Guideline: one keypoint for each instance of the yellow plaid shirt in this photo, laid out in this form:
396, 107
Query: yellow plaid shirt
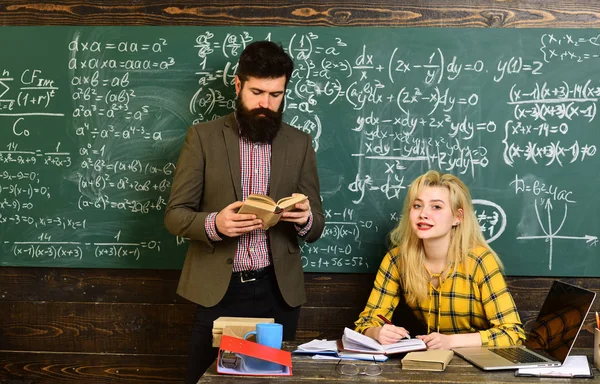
472, 300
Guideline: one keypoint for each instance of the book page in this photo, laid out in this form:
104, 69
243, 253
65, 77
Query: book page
353, 340
317, 345
253, 206
405, 345
262, 198
362, 356
288, 203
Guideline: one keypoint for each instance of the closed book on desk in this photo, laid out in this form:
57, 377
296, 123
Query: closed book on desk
432, 360
353, 341
222, 321
238, 327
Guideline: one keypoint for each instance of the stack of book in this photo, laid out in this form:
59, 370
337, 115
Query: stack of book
235, 326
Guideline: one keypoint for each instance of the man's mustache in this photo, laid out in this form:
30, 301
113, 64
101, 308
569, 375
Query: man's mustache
262, 111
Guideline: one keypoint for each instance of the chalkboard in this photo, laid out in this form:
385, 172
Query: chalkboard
92, 120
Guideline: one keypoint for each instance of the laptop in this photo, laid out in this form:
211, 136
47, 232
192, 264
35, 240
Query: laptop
550, 339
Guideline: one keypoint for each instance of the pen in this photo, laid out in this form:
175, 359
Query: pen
385, 320
597, 321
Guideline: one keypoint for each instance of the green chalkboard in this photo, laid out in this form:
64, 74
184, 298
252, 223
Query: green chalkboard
92, 120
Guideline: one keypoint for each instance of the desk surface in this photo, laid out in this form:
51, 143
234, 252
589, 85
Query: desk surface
307, 370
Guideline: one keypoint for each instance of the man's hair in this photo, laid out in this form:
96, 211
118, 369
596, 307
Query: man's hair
264, 59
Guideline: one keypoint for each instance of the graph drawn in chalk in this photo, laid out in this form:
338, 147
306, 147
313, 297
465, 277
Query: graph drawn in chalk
550, 235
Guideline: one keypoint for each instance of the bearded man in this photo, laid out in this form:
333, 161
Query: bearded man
233, 267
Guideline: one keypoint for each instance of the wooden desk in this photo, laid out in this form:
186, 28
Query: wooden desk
307, 370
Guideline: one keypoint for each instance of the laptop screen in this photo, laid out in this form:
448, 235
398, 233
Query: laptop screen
560, 319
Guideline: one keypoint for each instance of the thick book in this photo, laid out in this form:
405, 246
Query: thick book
223, 321
353, 341
269, 210
238, 326
431, 360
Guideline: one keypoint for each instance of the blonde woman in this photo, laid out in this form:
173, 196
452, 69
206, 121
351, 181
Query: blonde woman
441, 267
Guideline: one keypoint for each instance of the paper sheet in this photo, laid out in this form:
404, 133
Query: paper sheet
318, 346
573, 366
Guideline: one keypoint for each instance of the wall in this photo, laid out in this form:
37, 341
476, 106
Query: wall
128, 326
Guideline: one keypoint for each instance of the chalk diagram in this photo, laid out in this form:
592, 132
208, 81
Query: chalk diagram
550, 234
498, 217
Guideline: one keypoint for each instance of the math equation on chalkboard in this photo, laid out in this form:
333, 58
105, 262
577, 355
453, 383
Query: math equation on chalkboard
92, 120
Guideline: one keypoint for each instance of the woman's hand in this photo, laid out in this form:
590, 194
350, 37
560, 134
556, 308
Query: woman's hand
388, 334
437, 341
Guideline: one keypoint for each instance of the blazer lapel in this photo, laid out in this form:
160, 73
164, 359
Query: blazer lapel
277, 161
232, 142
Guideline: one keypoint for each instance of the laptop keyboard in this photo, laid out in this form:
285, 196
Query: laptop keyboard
518, 355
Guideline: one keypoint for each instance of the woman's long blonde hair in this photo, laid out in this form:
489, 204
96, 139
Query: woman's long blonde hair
410, 250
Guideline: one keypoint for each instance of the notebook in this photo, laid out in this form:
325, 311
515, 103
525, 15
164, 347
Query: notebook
353, 341
550, 339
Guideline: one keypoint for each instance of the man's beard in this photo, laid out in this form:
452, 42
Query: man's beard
256, 128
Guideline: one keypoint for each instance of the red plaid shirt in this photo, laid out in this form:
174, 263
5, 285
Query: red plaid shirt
253, 247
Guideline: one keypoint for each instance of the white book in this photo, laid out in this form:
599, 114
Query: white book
356, 342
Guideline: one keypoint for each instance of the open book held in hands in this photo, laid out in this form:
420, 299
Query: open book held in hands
356, 342
267, 209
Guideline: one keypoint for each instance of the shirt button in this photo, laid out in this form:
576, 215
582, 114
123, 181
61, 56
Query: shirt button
252, 249
256, 171
229, 261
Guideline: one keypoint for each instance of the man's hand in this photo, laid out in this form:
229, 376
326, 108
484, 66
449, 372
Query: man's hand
233, 224
299, 215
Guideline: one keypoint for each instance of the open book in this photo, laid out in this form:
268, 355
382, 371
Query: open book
328, 349
267, 209
356, 342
